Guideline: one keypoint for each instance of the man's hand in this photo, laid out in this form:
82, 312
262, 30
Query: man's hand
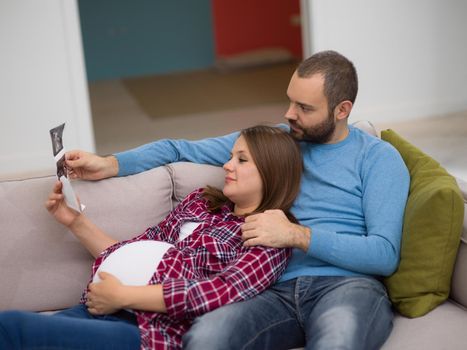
88, 166
104, 297
273, 229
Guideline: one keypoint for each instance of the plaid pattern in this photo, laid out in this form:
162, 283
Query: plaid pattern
208, 269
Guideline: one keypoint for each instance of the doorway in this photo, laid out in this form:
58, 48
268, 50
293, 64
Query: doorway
153, 44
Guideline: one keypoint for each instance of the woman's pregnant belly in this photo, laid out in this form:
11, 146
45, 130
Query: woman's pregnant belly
134, 264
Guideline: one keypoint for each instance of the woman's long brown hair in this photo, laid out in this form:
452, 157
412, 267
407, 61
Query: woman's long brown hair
278, 159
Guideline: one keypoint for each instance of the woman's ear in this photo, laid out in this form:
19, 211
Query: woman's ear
343, 109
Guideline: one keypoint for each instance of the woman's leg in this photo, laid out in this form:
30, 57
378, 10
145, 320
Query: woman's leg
74, 328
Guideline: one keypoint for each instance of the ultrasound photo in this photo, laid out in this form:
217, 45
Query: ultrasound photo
56, 135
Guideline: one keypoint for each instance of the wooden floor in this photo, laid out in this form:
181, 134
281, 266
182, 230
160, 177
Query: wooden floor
210, 90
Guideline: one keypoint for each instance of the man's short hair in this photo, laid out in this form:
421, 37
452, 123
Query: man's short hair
340, 76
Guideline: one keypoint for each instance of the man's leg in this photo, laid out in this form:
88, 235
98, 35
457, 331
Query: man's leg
268, 321
71, 329
347, 313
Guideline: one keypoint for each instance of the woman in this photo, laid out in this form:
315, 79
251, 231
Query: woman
203, 264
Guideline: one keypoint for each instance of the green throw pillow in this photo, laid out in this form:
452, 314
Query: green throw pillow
431, 234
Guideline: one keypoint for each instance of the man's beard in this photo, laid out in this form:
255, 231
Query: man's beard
320, 133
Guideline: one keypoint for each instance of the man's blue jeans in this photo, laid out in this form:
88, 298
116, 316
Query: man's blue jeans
73, 328
315, 312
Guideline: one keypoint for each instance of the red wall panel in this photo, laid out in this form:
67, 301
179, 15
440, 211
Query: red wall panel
242, 26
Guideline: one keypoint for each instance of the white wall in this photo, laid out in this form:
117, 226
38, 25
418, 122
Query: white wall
42, 83
411, 56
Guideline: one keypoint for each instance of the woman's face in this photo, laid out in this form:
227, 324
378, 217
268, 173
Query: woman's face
243, 185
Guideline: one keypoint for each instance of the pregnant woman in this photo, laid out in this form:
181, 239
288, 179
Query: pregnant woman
145, 291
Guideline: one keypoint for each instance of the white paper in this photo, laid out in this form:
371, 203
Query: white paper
70, 197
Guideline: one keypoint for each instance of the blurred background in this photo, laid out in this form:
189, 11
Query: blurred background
123, 73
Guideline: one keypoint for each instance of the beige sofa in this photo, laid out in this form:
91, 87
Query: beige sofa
43, 267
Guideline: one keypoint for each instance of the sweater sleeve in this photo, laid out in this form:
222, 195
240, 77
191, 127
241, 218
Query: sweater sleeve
213, 151
254, 271
385, 186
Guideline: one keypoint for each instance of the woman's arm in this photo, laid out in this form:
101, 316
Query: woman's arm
91, 237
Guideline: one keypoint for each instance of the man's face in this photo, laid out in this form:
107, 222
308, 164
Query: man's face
308, 114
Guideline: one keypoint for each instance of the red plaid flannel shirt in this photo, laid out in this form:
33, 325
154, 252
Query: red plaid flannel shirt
206, 270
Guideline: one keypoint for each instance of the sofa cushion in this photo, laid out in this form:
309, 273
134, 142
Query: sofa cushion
187, 177
459, 280
431, 234
442, 328
366, 126
45, 265
126, 206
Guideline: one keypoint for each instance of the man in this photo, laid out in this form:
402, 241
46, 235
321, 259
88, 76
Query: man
350, 208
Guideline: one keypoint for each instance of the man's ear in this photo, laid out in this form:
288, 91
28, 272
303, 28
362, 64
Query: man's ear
343, 109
